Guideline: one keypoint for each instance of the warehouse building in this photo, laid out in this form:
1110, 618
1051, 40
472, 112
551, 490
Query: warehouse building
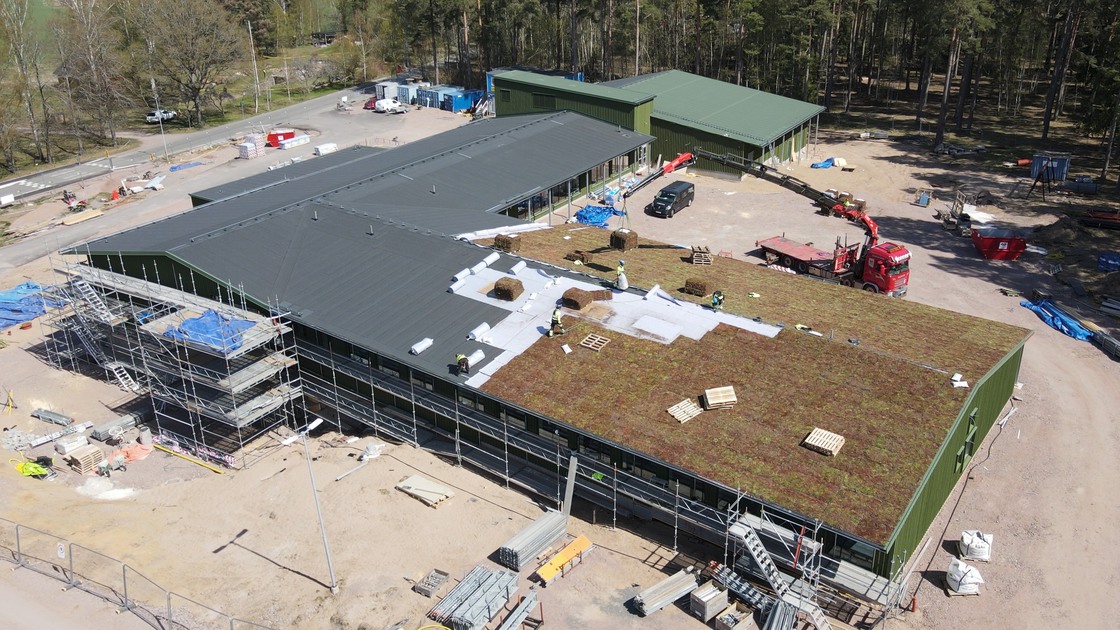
348, 291
681, 110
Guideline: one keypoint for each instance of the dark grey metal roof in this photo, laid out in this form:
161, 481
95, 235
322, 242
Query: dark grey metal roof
481, 166
345, 158
384, 291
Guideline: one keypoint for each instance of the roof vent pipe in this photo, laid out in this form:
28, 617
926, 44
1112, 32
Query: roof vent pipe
315, 215
370, 232
433, 189
478, 332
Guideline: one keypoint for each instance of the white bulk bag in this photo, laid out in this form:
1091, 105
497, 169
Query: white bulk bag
975, 545
963, 579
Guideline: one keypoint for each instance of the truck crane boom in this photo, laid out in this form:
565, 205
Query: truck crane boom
681, 161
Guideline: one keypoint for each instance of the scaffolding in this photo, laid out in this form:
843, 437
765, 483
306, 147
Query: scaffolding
215, 398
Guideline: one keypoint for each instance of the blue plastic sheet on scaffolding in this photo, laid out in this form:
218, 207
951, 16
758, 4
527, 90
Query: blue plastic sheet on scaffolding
1058, 319
211, 329
829, 163
597, 215
20, 304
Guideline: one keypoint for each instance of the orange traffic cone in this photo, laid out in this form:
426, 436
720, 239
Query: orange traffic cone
116, 196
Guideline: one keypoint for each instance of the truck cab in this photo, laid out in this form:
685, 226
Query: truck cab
886, 269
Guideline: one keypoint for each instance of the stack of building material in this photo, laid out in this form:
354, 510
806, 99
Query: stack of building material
531, 541
431, 584
782, 616
520, 613
85, 459
720, 398
666, 591
708, 600
117, 425
481, 595
565, 560
47, 415
295, 141
253, 147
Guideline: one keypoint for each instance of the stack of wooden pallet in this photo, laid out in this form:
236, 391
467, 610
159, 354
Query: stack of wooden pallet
825, 442
701, 255
685, 410
85, 459
720, 398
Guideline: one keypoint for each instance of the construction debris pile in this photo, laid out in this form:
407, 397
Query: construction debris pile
530, 542
667, 591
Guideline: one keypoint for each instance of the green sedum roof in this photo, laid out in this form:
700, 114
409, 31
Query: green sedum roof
596, 90
718, 107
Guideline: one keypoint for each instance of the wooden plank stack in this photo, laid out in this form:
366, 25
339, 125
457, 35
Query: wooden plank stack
825, 442
701, 255
720, 398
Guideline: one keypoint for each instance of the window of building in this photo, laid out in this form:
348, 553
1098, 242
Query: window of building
390, 367
504, 96
513, 418
544, 101
423, 380
466, 399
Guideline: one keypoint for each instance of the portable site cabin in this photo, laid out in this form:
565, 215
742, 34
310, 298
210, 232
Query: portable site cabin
387, 89
461, 100
433, 96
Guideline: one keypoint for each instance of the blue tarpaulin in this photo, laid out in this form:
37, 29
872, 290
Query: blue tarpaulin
22, 303
1058, 319
211, 329
597, 215
829, 163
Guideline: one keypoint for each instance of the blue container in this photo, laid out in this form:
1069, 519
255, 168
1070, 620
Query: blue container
1108, 261
433, 96
1053, 166
461, 100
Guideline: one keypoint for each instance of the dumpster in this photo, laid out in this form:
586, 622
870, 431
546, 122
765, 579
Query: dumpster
276, 136
460, 100
998, 244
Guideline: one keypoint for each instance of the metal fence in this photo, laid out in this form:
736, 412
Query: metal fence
109, 579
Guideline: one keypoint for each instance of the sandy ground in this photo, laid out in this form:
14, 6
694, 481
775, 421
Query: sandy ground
248, 542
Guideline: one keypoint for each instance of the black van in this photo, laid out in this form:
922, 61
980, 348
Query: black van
672, 199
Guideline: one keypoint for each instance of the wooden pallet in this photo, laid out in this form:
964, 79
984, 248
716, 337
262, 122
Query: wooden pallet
822, 441
685, 410
594, 342
720, 398
85, 460
701, 255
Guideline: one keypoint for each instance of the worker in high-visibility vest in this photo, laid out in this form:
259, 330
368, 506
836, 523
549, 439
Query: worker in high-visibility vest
464, 363
557, 326
620, 276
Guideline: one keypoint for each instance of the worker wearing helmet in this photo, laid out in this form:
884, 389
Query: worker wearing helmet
463, 363
557, 327
620, 276
717, 301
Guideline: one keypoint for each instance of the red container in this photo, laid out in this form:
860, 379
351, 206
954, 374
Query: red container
998, 244
1023, 162
276, 135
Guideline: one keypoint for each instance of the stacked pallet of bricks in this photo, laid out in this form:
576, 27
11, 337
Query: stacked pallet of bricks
665, 592
253, 147
531, 541
477, 599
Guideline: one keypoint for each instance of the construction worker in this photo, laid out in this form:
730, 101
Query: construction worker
620, 276
557, 327
464, 364
717, 301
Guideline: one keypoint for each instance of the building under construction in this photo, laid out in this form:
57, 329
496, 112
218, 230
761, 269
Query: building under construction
347, 293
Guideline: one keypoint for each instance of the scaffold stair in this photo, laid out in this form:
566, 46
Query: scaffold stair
123, 377
91, 297
762, 557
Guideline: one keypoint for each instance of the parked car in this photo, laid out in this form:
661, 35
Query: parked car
390, 106
157, 115
370, 104
672, 198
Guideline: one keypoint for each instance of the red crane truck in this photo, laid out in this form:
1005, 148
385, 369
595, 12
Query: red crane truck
871, 265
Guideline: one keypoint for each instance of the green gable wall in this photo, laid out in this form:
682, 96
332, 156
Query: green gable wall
985, 402
524, 98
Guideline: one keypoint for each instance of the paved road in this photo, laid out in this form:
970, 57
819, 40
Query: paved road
319, 117
152, 147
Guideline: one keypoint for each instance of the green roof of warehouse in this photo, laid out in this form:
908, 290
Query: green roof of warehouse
719, 107
597, 90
